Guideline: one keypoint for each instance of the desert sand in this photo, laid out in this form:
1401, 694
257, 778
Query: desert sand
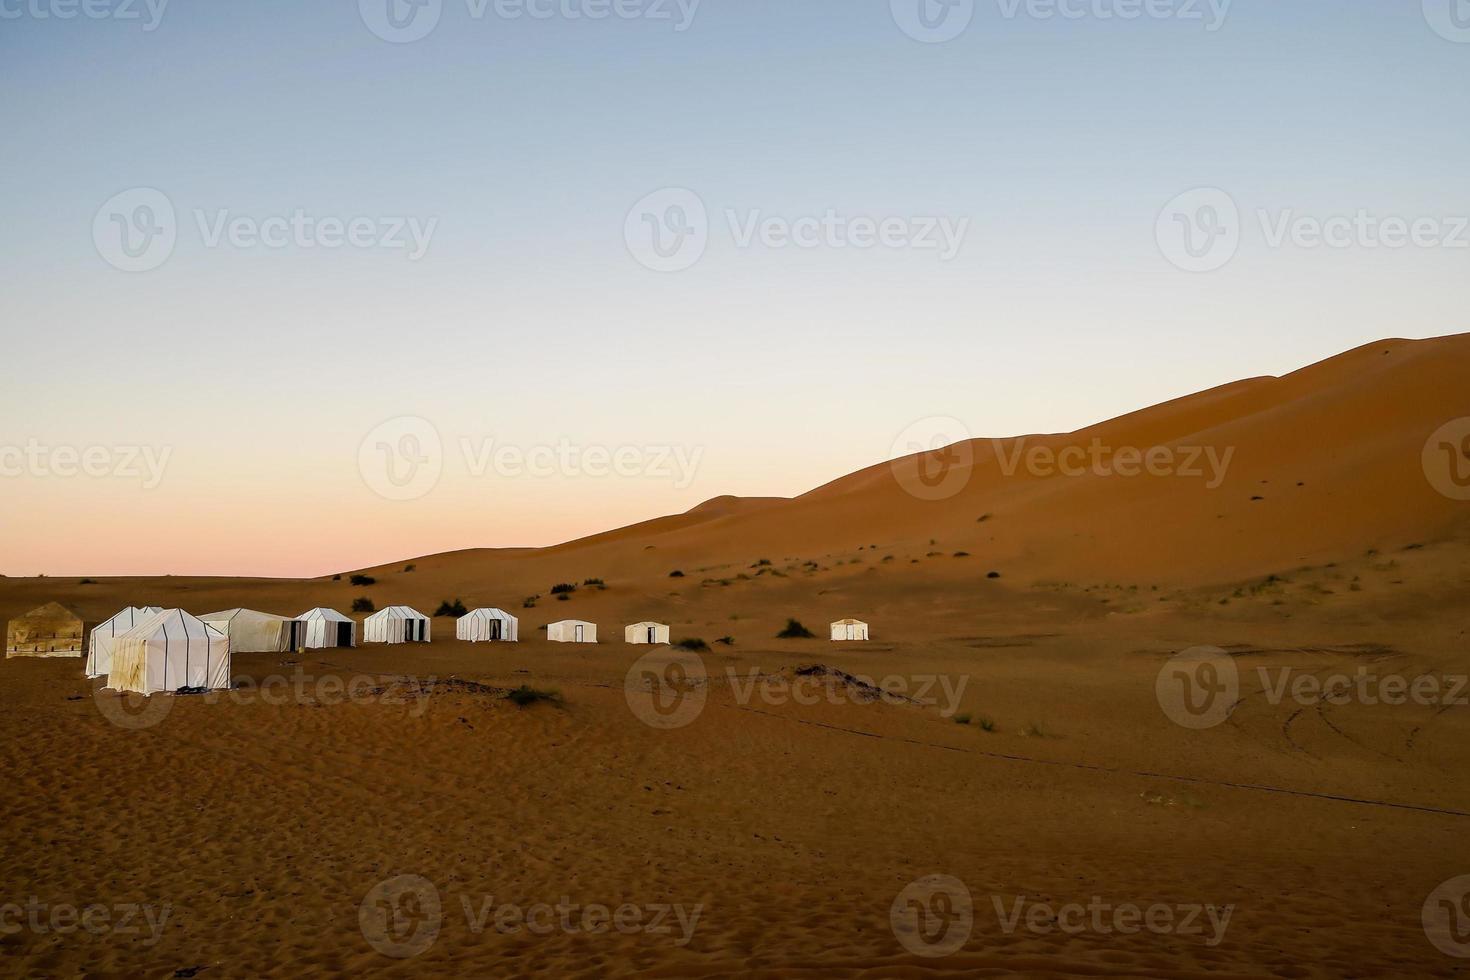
1025, 617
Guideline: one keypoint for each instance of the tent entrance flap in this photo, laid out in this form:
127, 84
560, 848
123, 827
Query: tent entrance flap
580, 633
495, 629
344, 634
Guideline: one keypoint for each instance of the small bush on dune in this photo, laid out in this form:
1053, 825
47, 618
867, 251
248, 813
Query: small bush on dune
455, 608
563, 588
88, 581
524, 696
676, 574
692, 643
961, 719
363, 604
986, 723
529, 602
794, 630
363, 580
409, 568
729, 641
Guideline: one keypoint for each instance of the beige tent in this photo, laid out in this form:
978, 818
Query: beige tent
104, 637
572, 631
327, 628
52, 630
170, 651
487, 626
396, 624
257, 632
646, 633
849, 629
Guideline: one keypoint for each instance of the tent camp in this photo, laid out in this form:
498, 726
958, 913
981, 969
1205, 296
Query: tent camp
572, 631
104, 637
396, 624
256, 632
327, 628
170, 651
646, 633
487, 626
849, 629
53, 630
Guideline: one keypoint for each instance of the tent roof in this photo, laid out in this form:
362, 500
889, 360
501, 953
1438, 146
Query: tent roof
155, 624
52, 609
228, 615
572, 622
398, 612
848, 622
648, 623
322, 612
487, 612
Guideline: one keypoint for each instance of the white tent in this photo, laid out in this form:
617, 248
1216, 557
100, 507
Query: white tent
572, 631
396, 624
487, 625
99, 651
256, 632
327, 628
849, 629
169, 651
646, 633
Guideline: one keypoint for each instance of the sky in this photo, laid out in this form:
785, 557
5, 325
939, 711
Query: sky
295, 288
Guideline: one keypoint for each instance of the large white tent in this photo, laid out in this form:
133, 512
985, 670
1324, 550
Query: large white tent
849, 629
396, 624
487, 626
327, 628
104, 637
572, 631
256, 632
646, 633
170, 651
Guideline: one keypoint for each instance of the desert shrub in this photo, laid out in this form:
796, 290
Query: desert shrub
982, 518
676, 574
88, 581
337, 578
562, 588
563, 597
763, 561
363, 604
363, 580
729, 641
794, 630
986, 723
992, 574
962, 554
447, 608
962, 719
594, 583
692, 643
523, 696
410, 568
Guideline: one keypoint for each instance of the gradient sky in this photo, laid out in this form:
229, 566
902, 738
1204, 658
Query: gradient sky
530, 322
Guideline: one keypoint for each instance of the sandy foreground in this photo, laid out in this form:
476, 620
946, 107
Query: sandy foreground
781, 822
1044, 791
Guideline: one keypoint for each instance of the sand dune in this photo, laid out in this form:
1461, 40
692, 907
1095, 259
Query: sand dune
266, 824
